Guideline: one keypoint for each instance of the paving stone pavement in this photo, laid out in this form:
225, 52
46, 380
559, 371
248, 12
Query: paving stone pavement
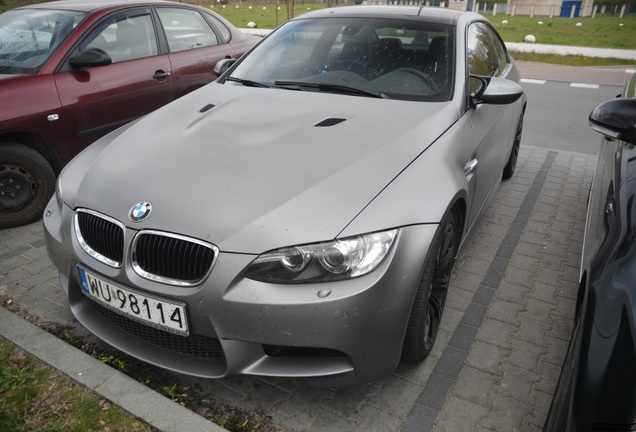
503, 337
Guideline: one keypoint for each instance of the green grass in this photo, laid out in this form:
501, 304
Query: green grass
264, 15
34, 396
601, 32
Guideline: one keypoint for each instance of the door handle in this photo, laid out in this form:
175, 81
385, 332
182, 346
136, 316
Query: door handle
161, 75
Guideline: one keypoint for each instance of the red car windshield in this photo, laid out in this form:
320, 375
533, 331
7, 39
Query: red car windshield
28, 37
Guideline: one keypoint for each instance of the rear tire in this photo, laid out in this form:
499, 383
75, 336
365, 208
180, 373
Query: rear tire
428, 307
27, 181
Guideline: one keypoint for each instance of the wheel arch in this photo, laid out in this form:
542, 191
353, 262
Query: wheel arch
36, 143
460, 206
414, 349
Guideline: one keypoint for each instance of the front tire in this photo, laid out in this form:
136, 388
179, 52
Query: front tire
510, 167
27, 181
428, 307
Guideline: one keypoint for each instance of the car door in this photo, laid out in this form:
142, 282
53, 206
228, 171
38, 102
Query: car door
196, 42
97, 100
492, 124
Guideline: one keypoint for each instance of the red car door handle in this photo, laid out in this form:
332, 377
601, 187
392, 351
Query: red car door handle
161, 75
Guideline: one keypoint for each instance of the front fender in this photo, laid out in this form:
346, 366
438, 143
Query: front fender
427, 188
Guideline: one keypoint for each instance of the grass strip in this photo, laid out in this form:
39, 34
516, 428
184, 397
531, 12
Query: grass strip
35, 396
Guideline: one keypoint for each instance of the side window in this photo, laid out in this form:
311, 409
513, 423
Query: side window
500, 52
125, 38
186, 29
485, 55
220, 28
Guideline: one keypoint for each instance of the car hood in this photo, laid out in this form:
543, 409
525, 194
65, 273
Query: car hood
252, 169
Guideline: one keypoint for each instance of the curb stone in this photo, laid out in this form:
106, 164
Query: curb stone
150, 406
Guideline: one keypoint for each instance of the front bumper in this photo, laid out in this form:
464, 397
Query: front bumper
240, 326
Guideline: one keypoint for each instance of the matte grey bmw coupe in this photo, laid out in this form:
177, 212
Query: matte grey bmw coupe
300, 216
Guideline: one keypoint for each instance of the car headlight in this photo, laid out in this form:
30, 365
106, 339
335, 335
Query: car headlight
323, 262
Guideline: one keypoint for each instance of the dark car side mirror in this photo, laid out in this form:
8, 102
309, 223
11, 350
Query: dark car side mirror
90, 57
222, 65
496, 91
615, 118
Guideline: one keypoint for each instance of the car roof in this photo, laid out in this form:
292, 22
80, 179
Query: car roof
93, 5
430, 14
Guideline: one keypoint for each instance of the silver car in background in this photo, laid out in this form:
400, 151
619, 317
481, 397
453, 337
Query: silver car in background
300, 216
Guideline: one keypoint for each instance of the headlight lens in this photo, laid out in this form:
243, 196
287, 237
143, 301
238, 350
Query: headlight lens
323, 262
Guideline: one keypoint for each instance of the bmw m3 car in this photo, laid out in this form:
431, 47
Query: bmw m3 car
300, 216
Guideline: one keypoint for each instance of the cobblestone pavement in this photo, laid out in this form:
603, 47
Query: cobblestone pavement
503, 337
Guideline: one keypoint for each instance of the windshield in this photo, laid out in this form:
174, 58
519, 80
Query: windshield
28, 37
389, 58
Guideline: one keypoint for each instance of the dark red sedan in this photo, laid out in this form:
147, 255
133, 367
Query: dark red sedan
72, 71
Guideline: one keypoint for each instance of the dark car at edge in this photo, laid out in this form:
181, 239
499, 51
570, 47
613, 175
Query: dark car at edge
597, 386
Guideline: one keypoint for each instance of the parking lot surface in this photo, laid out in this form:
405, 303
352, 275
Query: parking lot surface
504, 334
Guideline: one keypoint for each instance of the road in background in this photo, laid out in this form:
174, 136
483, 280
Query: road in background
560, 99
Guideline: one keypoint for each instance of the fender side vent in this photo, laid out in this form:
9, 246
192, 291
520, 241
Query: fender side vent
330, 122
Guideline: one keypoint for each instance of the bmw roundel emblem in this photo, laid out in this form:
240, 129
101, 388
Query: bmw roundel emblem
140, 211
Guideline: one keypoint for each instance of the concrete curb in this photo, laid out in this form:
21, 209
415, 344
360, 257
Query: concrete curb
137, 399
572, 50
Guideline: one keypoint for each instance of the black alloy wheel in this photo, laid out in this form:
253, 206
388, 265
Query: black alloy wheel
428, 307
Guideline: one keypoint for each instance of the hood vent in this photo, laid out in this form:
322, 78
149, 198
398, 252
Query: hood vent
330, 122
207, 108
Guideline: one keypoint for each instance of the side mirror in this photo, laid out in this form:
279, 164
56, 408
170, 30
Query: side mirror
222, 65
91, 57
615, 118
496, 91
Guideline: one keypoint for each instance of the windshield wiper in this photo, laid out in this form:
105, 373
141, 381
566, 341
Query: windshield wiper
335, 88
247, 83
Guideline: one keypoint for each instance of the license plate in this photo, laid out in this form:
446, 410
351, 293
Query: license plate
158, 313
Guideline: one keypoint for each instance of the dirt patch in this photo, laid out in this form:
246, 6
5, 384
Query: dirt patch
231, 418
